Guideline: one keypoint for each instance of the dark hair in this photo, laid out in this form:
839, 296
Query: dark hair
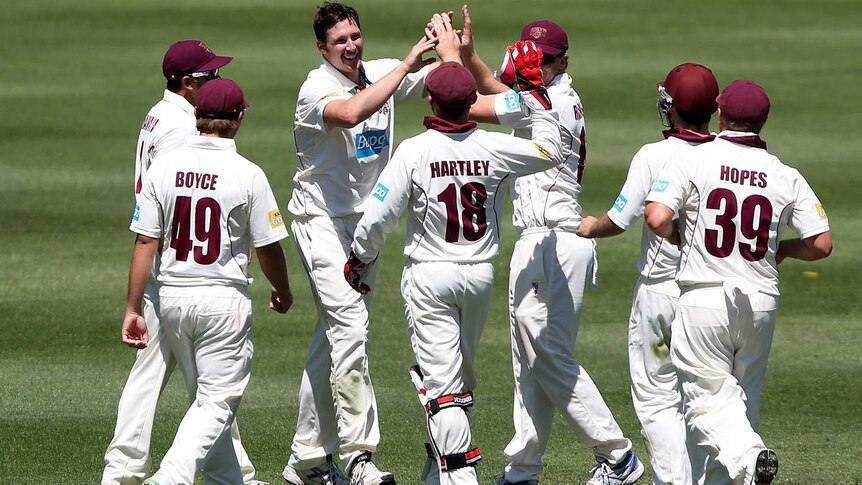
452, 114
693, 119
174, 84
222, 128
743, 126
329, 14
549, 59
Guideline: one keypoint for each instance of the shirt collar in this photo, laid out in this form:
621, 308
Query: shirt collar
688, 135
746, 138
446, 126
211, 142
347, 83
176, 99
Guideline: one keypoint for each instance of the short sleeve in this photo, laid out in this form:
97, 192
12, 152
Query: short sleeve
629, 204
671, 185
147, 217
808, 217
412, 86
509, 111
265, 219
314, 96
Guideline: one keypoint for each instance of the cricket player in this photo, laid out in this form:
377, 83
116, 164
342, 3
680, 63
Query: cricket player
344, 133
187, 66
734, 200
550, 268
451, 179
686, 103
204, 207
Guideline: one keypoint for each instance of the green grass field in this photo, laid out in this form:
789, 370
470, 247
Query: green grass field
78, 77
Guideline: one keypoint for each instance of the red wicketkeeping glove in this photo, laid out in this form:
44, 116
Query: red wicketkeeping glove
522, 71
355, 272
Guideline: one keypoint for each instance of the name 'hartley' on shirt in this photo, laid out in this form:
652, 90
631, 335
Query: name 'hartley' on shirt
452, 168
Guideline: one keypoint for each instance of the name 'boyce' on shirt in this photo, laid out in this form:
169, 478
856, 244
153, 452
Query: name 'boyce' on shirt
196, 180
453, 168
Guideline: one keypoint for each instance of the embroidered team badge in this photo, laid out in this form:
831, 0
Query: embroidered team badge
538, 32
275, 219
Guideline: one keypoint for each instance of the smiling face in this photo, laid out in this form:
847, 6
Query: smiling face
343, 48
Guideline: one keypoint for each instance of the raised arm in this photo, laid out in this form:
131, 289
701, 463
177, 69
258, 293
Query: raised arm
485, 80
347, 113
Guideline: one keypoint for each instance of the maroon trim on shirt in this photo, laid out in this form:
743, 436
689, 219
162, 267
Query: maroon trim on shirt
446, 126
751, 140
688, 135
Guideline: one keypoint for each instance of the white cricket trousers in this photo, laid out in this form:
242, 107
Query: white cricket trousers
720, 347
337, 406
127, 459
655, 387
446, 305
548, 274
210, 334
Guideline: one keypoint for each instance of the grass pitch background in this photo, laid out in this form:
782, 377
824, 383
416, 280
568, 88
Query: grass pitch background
78, 77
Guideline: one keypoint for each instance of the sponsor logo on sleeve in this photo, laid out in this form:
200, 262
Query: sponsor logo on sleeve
369, 143
620, 203
380, 192
275, 219
820, 211
660, 185
513, 101
137, 214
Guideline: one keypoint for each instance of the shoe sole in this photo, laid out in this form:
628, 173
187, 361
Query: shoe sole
766, 467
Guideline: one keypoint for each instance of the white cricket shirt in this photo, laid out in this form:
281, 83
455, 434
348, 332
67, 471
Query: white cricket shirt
735, 200
658, 259
338, 167
451, 181
165, 128
209, 206
550, 198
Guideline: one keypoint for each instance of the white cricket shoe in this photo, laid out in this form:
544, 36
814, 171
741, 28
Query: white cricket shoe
625, 473
325, 474
363, 471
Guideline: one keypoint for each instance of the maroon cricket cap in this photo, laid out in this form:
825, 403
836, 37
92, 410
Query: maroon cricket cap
220, 99
693, 88
547, 35
451, 85
744, 101
188, 56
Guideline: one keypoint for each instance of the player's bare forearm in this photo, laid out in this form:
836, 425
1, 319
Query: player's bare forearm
348, 113
143, 255
659, 218
274, 267
485, 80
808, 249
483, 110
592, 228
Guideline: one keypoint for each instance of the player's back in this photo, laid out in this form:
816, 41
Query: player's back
458, 192
164, 128
741, 199
208, 194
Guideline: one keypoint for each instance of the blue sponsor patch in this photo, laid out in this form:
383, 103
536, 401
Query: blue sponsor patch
380, 192
620, 203
370, 143
137, 214
513, 101
660, 185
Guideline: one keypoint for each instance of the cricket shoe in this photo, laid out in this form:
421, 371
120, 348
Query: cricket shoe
624, 473
766, 467
325, 474
363, 471
501, 480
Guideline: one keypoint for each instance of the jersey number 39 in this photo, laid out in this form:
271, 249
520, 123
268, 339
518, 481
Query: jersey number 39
755, 218
207, 229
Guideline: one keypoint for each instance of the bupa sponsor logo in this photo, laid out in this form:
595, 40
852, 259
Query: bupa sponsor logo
660, 185
370, 143
380, 192
513, 101
620, 203
137, 214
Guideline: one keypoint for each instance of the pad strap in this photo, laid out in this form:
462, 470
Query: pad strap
464, 400
455, 461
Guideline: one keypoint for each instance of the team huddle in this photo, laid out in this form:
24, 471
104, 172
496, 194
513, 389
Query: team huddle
715, 206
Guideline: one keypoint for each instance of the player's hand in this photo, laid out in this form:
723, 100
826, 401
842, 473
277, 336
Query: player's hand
279, 302
355, 272
522, 71
134, 331
468, 49
414, 61
586, 227
448, 44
